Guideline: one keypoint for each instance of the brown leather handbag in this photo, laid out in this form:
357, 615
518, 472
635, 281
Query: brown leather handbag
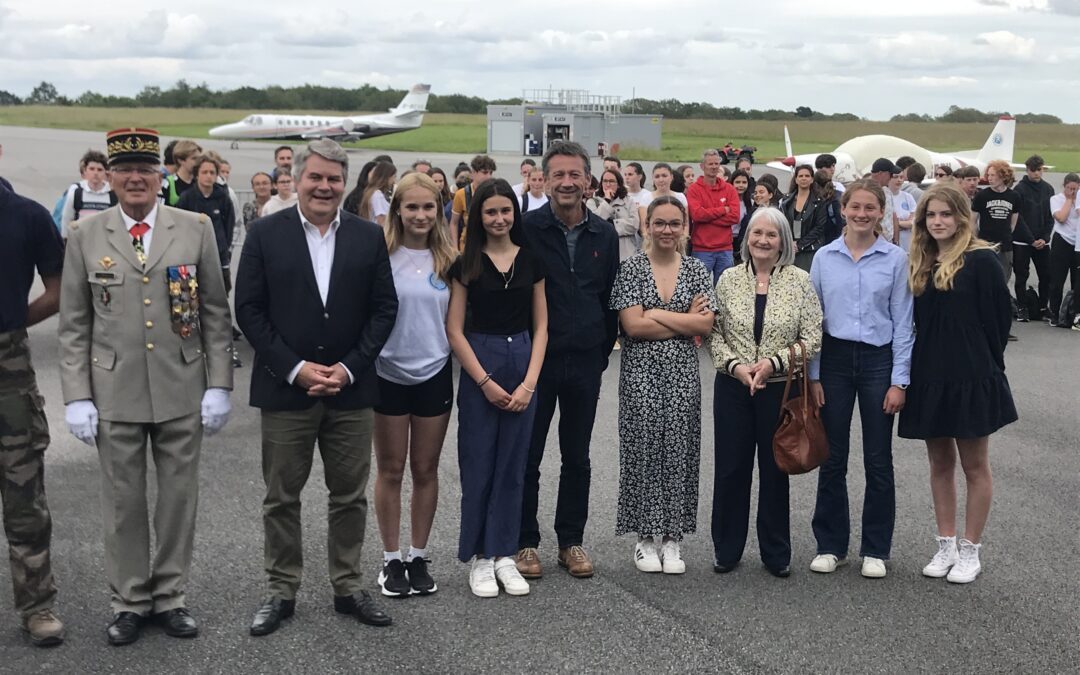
799, 445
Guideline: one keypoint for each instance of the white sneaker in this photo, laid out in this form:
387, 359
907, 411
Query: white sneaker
672, 558
943, 560
826, 563
967, 567
645, 557
873, 568
482, 578
512, 581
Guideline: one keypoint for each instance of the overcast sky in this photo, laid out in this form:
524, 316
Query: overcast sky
871, 58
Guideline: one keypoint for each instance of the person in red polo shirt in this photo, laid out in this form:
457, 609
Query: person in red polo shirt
714, 208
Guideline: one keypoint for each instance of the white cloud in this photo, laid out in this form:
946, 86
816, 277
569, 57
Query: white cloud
951, 82
1008, 43
841, 55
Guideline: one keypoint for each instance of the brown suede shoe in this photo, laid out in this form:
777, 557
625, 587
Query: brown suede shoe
576, 561
44, 628
527, 562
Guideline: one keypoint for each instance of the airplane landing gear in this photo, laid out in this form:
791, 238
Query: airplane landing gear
235, 145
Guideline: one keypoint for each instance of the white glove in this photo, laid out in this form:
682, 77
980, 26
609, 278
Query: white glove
82, 420
215, 410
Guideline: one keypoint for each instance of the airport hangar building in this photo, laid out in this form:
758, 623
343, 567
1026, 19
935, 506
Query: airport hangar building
548, 115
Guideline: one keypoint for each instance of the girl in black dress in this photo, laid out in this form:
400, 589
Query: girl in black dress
959, 394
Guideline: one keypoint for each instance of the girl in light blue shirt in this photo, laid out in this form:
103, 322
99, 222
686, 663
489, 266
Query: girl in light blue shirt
861, 279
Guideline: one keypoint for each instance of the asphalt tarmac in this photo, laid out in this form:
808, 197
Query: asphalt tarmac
1021, 615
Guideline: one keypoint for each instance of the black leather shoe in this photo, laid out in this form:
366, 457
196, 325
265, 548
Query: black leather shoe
125, 628
723, 568
178, 623
363, 607
270, 614
780, 572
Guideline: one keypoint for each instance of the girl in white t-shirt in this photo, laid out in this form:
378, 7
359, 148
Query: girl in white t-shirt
534, 197
903, 207
416, 388
662, 175
634, 179
375, 203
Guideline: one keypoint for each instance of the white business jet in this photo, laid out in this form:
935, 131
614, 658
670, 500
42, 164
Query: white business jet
409, 114
855, 157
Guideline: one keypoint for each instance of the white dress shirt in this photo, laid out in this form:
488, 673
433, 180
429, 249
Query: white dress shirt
321, 249
150, 219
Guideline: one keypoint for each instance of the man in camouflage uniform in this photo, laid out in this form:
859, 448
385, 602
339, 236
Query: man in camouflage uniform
28, 239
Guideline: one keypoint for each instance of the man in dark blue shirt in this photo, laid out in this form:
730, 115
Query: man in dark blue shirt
580, 252
28, 239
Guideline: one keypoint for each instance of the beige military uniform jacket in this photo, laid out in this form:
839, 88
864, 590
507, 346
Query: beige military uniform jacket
144, 342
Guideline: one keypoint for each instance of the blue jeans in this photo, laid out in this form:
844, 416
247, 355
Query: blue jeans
716, 261
850, 369
493, 446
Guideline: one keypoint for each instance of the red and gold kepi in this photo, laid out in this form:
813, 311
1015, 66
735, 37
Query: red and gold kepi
133, 144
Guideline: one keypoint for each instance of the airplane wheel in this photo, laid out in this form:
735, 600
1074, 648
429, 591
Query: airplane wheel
235, 145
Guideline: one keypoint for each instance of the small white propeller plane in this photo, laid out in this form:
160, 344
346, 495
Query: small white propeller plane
409, 114
855, 157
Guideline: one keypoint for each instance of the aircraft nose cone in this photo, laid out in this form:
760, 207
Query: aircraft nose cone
223, 130
787, 161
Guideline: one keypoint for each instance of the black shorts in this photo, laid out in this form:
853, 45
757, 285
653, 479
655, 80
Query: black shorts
427, 399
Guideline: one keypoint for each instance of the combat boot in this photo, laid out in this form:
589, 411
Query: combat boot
44, 628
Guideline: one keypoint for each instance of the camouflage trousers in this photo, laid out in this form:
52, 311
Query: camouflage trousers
24, 435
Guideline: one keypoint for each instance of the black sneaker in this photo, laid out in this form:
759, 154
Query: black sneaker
419, 579
392, 580
1022, 315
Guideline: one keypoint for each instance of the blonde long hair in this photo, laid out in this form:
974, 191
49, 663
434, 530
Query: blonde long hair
925, 253
438, 239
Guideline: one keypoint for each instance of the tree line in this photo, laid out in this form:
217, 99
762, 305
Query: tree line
957, 114
367, 97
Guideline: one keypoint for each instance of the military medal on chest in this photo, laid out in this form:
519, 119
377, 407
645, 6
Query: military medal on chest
183, 299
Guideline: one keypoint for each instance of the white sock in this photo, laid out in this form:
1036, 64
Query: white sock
387, 556
416, 553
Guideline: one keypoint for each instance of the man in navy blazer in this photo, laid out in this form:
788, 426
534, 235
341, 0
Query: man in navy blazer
315, 297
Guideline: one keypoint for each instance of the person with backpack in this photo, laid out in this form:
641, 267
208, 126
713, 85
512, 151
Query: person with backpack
1064, 257
533, 197
176, 184
90, 195
481, 168
1035, 212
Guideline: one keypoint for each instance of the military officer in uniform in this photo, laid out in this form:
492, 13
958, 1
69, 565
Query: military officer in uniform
146, 355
